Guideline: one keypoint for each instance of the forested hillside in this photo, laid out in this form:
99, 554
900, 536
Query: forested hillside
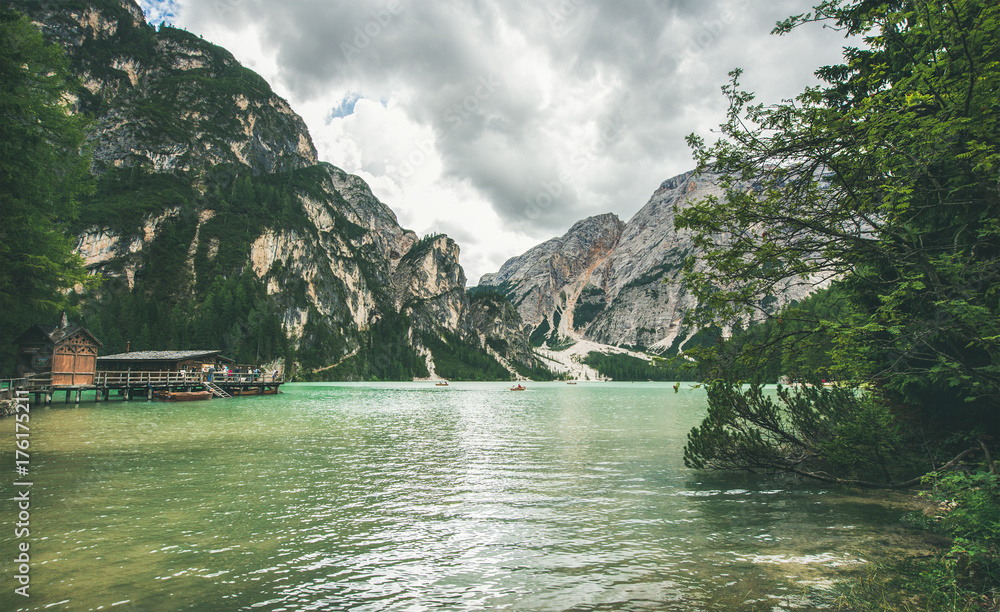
204, 218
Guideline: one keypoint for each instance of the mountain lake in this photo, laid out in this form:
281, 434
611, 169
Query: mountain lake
410, 496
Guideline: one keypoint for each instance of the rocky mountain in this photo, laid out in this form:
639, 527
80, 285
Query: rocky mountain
550, 276
216, 226
615, 283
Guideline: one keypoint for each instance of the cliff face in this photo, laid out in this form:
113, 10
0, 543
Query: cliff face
641, 278
168, 98
212, 211
624, 288
548, 278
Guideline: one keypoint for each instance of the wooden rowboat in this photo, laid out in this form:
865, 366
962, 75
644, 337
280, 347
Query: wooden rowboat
253, 391
184, 396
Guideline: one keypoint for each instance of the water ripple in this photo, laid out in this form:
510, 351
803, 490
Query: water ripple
400, 497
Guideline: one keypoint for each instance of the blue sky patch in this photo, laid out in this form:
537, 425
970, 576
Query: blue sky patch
159, 11
346, 107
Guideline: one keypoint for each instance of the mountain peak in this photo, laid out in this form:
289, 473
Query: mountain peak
211, 210
549, 277
630, 295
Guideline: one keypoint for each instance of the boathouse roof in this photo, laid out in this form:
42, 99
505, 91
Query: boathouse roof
51, 333
163, 356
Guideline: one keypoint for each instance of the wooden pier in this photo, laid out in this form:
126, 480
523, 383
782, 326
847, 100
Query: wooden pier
137, 384
63, 358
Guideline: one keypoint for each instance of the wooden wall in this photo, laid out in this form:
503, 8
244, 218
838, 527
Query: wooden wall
74, 361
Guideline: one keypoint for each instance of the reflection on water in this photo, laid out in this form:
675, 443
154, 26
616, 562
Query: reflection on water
411, 497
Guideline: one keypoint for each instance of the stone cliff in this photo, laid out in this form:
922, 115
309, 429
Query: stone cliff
613, 283
548, 279
215, 223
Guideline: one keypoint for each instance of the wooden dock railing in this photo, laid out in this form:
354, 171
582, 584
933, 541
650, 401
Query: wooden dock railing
109, 378
115, 379
247, 378
9, 385
30, 384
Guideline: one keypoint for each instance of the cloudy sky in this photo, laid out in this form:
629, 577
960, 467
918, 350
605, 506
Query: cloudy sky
503, 122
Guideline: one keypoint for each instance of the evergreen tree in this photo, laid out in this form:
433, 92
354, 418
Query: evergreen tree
43, 173
884, 180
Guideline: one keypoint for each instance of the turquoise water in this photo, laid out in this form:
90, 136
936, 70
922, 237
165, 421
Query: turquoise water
414, 497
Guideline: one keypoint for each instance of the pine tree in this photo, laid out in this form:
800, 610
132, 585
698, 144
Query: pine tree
43, 173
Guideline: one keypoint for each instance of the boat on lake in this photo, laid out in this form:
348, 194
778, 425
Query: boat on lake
254, 391
518, 388
183, 396
443, 383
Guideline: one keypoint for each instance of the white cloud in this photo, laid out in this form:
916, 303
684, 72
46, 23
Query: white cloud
159, 11
502, 123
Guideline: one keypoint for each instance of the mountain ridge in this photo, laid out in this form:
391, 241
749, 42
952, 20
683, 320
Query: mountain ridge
214, 222
633, 297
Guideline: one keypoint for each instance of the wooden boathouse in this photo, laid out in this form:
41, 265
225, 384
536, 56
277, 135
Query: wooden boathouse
64, 358
65, 354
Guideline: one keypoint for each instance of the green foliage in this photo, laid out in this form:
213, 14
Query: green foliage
492, 304
420, 247
658, 273
458, 360
96, 55
43, 174
539, 334
885, 179
971, 516
585, 312
591, 302
243, 206
505, 288
709, 337
498, 344
208, 302
126, 196
383, 353
560, 343
885, 176
318, 346
178, 102
217, 306
964, 576
618, 366
831, 434
549, 336
235, 316
796, 344
537, 371
485, 294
